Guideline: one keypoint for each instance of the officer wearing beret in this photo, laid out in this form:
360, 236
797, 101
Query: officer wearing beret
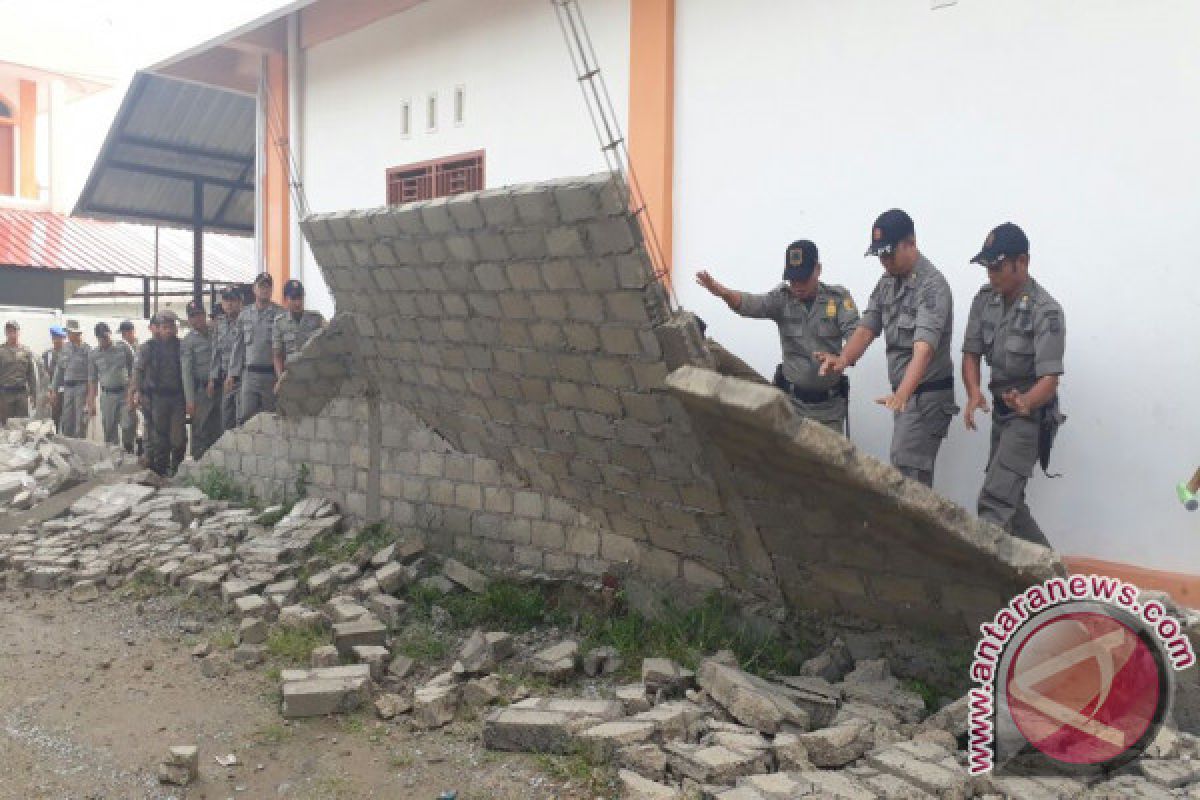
293, 328
71, 376
224, 387
50, 404
110, 368
814, 319
18, 374
252, 357
195, 356
1019, 329
914, 310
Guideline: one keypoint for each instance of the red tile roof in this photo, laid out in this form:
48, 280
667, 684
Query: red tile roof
46, 240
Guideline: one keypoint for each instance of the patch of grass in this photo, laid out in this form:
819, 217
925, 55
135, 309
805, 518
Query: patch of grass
224, 639
400, 760
504, 605
273, 674
335, 547
294, 645
928, 693
272, 734
220, 484
688, 635
421, 643
575, 769
352, 723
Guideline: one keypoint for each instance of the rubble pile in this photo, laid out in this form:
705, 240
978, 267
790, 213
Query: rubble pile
35, 462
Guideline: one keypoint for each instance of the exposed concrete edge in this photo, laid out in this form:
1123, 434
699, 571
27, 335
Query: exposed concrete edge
318, 371
766, 409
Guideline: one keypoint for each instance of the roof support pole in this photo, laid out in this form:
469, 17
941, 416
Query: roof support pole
145, 298
197, 241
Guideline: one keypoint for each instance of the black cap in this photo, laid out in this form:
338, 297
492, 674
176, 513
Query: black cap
293, 288
102, 329
194, 308
1005, 241
231, 293
126, 325
264, 279
891, 228
800, 260
217, 311
155, 319
13, 324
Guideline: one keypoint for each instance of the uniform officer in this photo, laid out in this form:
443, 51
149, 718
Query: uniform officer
51, 405
195, 354
18, 375
130, 417
71, 376
293, 328
252, 357
814, 319
162, 371
110, 368
913, 308
1019, 329
223, 386
141, 392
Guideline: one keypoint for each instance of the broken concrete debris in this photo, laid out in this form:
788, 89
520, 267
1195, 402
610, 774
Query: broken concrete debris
181, 766
36, 463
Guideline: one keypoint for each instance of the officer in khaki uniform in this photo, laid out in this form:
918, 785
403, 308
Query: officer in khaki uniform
18, 375
814, 320
161, 370
1019, 329
293, 328
914, 310
223, 386
71, 376
195, 355
110, 368
252, 357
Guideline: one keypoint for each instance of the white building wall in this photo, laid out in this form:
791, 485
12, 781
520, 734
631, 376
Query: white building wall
523, 104
1077, 119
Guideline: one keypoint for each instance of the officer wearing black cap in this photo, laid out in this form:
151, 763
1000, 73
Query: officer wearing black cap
913, 308
195, 357
293, 328
814, 319
110, 368
18, 374
252, 357
159, 374
1019, 329
223, 386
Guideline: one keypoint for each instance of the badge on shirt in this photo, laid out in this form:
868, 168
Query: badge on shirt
848, 303
831, 308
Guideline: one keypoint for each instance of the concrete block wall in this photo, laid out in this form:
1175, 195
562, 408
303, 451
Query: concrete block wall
506, 373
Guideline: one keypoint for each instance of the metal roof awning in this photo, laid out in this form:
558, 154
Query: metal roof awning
178, 154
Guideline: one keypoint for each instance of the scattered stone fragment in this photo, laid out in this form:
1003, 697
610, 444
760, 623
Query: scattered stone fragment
677, 720
364, 631
556, 663
202, 649
635, 787
331, 690
716, 763
84, 592
374, 656
832, 663
325, 656
749, 699
633, 697
647, 760
525, 730
435, 706
662, 674
872, 682
249, 655
479, 692
388, 706
836, 746
214, 667
601, 661
181, 766
464, 576
601, 742
253, 630
401, 665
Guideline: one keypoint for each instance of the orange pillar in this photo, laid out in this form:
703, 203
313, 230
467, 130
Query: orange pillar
27, 125
652, 114
276, 196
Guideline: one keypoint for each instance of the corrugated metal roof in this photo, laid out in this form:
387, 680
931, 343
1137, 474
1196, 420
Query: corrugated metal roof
45, 240
167, 135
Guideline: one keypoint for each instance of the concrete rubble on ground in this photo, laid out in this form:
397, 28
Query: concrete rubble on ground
36, 463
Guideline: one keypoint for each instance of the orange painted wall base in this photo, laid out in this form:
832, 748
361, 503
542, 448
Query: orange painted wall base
1183, 588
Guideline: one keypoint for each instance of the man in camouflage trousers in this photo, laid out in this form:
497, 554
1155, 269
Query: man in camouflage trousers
18, 375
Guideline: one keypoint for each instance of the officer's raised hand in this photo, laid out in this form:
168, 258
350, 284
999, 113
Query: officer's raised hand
708, 282
975, 402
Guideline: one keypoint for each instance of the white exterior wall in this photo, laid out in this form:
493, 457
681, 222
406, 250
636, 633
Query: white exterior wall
1077, 119
523, 104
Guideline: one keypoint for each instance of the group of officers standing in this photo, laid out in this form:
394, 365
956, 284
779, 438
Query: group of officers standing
219, 375
1014, 325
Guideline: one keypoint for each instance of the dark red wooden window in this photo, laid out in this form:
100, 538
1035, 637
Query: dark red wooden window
437, 178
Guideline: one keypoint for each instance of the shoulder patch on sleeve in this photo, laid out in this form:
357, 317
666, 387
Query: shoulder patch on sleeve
930, 297
1053, 321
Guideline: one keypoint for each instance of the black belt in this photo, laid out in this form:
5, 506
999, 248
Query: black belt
113, 389
260, 370
842, 389
932, 386
73, 384
13, 389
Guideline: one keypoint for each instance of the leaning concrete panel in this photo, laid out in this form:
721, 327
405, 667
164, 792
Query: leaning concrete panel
524, 325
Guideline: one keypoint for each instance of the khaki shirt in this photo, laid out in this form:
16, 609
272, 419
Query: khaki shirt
72, 364
110, 367
1020, 342
222, 349
291, 333
915, 308
195, 358
17, 368
821, 325
252, 343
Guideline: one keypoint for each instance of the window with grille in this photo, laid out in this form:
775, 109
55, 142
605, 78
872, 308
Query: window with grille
439, 178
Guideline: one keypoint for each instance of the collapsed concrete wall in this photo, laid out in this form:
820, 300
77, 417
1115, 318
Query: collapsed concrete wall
523, 329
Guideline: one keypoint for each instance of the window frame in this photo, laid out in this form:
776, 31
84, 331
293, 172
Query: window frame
435, 175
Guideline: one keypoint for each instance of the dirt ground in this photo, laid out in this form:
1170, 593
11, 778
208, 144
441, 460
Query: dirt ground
91, 697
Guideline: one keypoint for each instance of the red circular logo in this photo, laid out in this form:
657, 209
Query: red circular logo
1084, 688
